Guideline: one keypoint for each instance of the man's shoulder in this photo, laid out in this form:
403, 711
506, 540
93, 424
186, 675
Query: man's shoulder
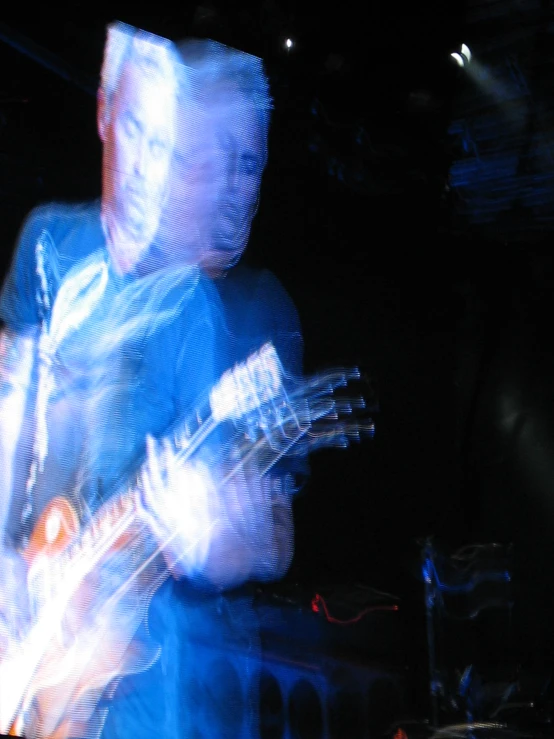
258, 308
270, 297
251, 284
52, 239
64, 216
69, 231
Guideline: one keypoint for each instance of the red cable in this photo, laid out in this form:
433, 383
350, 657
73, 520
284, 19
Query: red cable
318, 599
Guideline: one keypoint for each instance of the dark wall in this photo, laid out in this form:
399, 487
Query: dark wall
509, 468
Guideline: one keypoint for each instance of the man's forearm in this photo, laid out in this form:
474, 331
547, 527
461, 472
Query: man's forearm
274, 558
232, 561
16, 364
236, 531
235, 556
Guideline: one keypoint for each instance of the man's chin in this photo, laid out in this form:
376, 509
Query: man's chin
229, 242
226, 238
219, 260
141, 229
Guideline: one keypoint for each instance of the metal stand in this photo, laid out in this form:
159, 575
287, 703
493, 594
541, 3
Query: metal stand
468, 602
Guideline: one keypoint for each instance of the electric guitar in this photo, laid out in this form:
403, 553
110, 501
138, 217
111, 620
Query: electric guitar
91, 585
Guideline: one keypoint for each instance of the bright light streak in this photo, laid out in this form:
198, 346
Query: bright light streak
466, 52
458, 58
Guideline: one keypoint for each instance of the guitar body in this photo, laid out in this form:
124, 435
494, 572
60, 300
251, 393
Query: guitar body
93, 646
57, 526
55, 529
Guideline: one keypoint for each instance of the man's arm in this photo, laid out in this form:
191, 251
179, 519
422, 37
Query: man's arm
220, 534
19, 312
16, 362
279, 550
16, 365
256, 547
252, 537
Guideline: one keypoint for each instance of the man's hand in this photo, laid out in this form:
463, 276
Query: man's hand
14, 598
255, 539
227, 526
181, 502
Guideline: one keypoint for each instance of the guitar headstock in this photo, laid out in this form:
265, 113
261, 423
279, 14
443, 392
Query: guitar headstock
337, 416
277, 415
248, 386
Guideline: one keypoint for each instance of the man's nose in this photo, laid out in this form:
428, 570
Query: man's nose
232, 171
141, 158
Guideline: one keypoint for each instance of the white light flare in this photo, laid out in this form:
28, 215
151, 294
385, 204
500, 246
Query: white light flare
458, 58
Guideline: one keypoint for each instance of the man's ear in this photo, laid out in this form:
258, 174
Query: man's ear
101, 114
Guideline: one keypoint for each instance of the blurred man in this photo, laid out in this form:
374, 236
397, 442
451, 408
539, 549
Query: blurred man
105, 346
220, 154
218, 162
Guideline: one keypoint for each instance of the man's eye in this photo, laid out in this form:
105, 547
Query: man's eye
130, 127
250, 165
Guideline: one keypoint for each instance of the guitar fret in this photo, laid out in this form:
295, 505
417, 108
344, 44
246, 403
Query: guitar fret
100, 529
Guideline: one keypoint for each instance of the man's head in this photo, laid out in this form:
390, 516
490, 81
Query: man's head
219, 158
136, 117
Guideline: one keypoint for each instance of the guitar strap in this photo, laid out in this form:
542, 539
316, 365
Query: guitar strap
59, 317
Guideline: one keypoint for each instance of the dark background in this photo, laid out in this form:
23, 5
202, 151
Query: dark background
407, 208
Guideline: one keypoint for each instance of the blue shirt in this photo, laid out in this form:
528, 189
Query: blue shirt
127, 356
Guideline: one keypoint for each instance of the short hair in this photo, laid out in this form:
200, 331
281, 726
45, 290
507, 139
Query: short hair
209, 64
154, 55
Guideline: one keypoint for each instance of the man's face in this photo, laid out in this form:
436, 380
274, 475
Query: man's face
137, 133
187, 218
240, 163
215, 181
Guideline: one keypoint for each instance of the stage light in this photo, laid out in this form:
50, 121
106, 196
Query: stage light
458, 58
463, 56
289, 43
466, 53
